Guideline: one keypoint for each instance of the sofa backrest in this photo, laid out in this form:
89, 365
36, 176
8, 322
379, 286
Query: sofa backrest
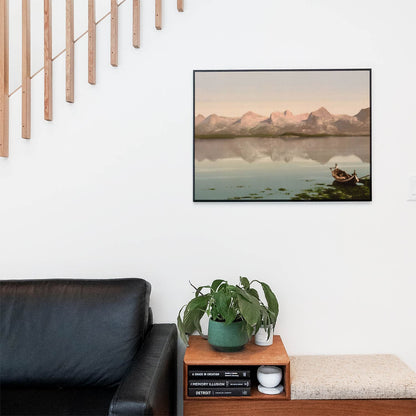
70, 331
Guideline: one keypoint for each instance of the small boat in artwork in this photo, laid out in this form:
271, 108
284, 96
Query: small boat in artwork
343, 177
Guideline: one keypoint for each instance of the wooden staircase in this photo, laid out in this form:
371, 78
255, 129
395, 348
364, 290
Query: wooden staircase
48, 58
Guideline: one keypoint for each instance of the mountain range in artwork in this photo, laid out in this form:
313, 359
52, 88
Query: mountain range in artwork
318, 123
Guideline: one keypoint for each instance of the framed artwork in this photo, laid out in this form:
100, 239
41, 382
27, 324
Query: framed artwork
282, 135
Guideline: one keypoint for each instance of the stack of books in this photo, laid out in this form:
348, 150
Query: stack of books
218, 382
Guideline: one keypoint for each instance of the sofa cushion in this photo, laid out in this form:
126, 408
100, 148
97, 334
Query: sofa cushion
52, 401
70, 332
351, 377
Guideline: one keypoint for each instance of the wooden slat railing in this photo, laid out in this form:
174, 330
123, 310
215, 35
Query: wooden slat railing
4, 78
92, 55
26, 80
114, 33
48, 58
180, 5
158, 14
136, 23
69, 51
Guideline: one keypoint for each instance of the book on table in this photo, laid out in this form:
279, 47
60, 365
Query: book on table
219, 383
219, 391
214, 373
215, 382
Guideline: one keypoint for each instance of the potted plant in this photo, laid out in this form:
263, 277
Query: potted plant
235, 312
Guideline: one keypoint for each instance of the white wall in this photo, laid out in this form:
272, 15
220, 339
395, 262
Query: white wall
106, 188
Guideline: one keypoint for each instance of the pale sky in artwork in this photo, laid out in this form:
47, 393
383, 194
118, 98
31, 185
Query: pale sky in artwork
263, 92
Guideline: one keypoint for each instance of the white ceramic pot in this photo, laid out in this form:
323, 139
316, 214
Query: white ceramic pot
269, 375
262, 338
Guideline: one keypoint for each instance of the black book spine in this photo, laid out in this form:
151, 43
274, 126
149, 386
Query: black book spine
218, 383
219, 391
219, 373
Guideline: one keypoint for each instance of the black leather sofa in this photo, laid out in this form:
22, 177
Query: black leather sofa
84, 347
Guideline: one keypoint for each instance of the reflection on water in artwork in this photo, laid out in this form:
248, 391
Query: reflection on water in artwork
288, 168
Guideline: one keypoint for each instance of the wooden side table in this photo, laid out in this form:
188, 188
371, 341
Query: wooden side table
200, 354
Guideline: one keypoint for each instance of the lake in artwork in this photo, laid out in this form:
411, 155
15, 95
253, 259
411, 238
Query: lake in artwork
261, 169
283, 135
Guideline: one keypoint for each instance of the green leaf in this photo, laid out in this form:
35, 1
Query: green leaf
193, 314
271, 299
231, 316
258, 324
254, 293
222, 302
244, 282
247, 296
216, 284
199, 303
241, 292
266, 317
181, 327
250, 310
199, 290
248, 329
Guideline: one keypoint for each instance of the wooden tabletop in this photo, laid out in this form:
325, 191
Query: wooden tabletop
200, 352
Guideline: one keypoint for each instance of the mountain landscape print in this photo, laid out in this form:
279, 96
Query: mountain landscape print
282, 135
280, 124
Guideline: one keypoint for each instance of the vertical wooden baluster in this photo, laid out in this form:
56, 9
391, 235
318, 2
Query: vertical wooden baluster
158, 14
114, 33
180, 5
91, 42
136, 23
47, 56
69, 56
26, 81
4, 78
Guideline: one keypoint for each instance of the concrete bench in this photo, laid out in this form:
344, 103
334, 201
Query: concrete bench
352, 385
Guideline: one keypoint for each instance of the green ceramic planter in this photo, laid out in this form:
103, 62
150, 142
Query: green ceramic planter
227, 338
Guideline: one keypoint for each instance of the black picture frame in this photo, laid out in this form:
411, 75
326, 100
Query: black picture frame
332, 195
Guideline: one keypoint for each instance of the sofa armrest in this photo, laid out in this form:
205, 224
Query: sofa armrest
149, 386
